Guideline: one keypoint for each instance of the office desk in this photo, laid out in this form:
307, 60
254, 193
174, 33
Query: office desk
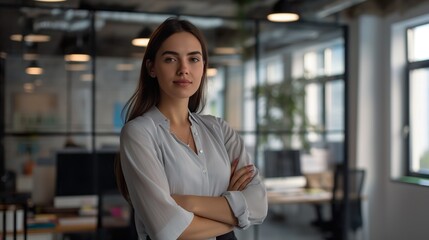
65, 229
311, 195
296, 196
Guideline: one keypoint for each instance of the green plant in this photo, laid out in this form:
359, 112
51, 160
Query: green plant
283, 111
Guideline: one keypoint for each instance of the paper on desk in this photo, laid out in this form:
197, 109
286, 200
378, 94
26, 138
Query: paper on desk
284, 183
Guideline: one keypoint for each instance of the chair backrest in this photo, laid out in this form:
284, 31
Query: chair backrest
356, 179
13, 210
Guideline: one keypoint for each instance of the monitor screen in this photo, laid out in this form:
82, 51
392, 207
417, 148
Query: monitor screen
75, 173
106, 170
78, 172
282, 163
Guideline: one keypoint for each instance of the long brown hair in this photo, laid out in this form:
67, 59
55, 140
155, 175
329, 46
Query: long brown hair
147, 93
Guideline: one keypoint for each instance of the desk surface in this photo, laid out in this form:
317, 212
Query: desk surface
65, 229
296, 197
84, 226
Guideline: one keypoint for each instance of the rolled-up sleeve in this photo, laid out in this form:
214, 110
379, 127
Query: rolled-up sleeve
148, 185
250, 205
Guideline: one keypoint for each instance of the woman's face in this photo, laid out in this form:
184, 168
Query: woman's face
178, 66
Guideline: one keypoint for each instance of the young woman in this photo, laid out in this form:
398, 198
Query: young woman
186, 175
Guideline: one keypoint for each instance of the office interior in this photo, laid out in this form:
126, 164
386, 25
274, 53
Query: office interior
346, 85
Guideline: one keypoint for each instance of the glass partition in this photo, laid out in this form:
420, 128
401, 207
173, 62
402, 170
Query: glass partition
281, 86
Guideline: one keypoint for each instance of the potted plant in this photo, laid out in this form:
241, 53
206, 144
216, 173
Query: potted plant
283, 118
283, 111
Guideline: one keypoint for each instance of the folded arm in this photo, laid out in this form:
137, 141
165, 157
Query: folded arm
217, 208
203, 228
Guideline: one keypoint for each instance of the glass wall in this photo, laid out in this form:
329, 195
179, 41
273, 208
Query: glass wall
281, 86
301, 92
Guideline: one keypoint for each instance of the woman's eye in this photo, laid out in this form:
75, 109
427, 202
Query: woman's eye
195, 59
168, 60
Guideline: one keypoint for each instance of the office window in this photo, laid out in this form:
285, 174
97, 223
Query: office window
324, 102
418, 92
335, 109
418, 48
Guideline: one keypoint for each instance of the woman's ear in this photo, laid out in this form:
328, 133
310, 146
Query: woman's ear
150, 70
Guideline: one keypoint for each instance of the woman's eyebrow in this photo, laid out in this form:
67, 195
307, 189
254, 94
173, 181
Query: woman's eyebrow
177, 54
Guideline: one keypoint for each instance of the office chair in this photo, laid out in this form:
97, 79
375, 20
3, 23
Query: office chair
10, 204
356, 179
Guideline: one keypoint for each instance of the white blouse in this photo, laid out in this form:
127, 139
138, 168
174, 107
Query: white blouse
156, 165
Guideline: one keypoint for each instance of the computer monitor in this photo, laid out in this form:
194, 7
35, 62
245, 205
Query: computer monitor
282, 170
282, 163
81, 175
106, 170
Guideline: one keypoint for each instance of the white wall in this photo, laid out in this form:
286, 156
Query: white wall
394, 210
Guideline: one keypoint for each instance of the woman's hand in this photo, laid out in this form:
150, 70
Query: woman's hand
240, 178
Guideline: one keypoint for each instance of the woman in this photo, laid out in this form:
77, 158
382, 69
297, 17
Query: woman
178, 169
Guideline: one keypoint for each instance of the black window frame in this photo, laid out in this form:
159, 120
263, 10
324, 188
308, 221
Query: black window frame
410, 66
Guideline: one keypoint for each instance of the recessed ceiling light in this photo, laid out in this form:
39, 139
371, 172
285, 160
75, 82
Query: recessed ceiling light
283, 17
31, 38
28, 87
211, 72
142, 38
226, 50
125, 67
34, 69
79, 57
50, 1
284, 11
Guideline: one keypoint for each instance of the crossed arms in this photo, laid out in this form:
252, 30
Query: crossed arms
212, 215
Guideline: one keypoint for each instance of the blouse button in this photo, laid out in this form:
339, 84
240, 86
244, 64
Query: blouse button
204, 170
201, 151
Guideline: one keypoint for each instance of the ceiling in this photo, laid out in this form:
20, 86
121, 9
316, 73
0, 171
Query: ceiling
120, 20
219, 8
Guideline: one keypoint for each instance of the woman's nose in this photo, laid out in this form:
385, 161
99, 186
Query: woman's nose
183, 68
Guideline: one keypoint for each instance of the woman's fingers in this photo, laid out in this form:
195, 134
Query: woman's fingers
233, 167
251, 175
241, 178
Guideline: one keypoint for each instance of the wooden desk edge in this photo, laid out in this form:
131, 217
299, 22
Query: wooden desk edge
298, 198
65, 229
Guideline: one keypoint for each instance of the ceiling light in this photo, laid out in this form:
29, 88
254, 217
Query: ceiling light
125, 67
28, 87
30, 38
142, 38
78, 52
284, 11
34, 69
211, 72
50, 1
77, 57
226, 50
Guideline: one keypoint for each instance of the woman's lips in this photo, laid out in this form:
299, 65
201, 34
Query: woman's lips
182, 82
